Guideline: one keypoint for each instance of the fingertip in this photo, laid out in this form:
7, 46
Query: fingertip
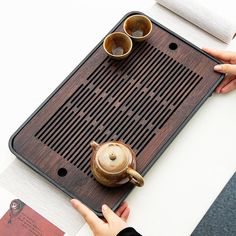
205, 49
127, 211
218, 90
224, 90
74, 202
109, 214
104, 207
124, 204
218, 67
125, 214
208, 50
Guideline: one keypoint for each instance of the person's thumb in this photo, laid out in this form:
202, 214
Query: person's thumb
109, 215
226, 68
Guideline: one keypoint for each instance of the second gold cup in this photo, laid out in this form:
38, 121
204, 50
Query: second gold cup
138, 27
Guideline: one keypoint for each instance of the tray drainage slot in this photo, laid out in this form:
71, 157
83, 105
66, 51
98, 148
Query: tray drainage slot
173, 46
62, 172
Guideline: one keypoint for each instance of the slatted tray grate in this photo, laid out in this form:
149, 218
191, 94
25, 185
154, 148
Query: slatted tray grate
142, 101
119, 103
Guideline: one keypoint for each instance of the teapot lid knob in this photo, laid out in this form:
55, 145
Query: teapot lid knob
112, 156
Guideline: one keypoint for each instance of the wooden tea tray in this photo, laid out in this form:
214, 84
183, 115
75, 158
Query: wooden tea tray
144, 101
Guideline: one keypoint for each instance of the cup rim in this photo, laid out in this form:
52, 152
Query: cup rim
118, 56
136, 37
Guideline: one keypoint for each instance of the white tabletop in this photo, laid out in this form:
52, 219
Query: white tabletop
41, 43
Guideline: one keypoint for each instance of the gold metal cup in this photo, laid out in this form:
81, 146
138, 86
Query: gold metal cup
117, 45
138, 27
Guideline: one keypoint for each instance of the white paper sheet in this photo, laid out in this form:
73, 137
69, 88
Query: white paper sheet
209, 15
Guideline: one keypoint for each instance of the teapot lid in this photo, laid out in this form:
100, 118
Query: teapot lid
113, 157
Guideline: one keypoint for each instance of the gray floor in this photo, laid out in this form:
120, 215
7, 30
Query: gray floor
220, 219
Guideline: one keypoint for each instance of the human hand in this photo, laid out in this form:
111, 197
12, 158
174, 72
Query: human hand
115, 221
229, 68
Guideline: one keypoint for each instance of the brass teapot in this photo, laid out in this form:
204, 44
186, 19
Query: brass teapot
113, 164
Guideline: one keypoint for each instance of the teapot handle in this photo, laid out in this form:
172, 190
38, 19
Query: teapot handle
135, 177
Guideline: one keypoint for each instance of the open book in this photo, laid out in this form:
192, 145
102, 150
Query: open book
17, 218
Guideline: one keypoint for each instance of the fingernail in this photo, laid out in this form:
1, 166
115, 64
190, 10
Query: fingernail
223, 90
104, 207
217, 67
74, 202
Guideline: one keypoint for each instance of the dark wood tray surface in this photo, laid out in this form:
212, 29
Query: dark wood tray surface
144, 101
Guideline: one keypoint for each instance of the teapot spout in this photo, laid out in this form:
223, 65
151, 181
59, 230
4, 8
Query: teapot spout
94, 145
